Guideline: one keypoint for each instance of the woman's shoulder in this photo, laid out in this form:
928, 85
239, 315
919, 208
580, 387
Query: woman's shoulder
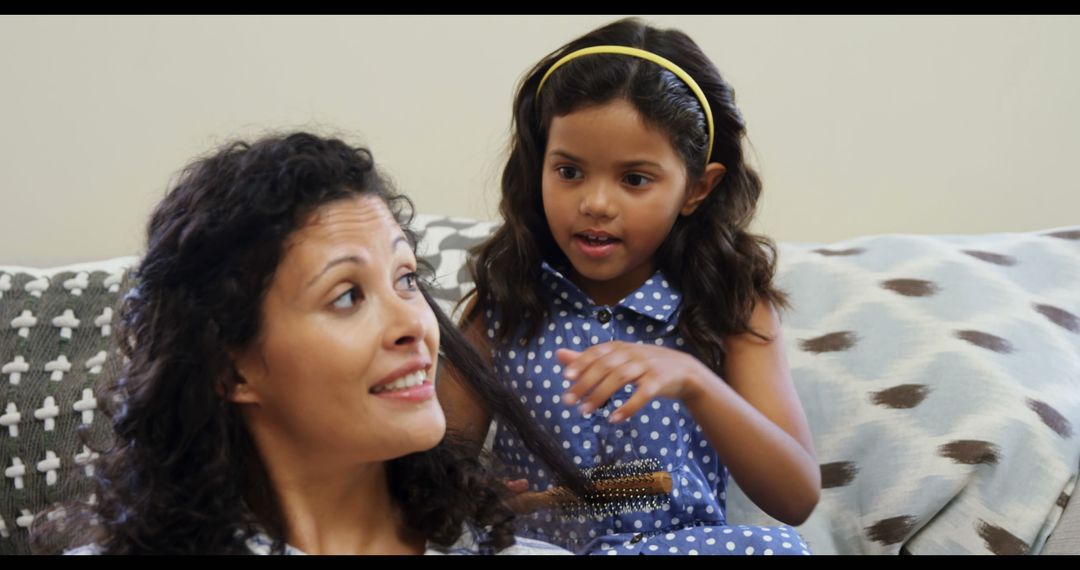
470, 543
530, 546
84, 550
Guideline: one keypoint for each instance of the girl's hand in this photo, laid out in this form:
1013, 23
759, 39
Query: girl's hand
517, 486
602, 370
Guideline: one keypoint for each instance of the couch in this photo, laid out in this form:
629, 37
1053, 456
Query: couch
940, 376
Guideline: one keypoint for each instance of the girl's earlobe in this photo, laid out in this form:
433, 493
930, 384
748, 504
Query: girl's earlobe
705, 185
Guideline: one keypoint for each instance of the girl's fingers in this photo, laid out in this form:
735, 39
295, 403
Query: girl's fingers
611, 383
565, 356
588, 376
648, 389
579, 361
517, 486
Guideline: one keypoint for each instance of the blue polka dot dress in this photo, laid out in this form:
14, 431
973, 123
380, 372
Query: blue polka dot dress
691, 521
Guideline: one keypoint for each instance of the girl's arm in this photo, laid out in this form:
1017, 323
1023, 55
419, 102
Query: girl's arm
756, 423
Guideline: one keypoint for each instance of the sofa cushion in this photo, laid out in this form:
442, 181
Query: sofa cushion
941, 379
54, 330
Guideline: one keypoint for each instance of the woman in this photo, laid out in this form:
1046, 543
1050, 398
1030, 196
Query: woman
277, 392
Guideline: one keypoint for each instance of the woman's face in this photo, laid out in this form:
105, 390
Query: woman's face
345, 361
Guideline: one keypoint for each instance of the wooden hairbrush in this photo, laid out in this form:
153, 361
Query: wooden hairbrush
636, 486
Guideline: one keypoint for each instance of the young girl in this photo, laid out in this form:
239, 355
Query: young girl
627, 305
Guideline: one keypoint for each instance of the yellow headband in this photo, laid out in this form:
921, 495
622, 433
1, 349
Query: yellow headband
650, 56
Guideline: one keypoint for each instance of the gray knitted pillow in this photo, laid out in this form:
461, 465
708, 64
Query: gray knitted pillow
54, 331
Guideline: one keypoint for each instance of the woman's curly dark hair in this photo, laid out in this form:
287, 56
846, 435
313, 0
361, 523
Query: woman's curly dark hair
721, 268
181, 474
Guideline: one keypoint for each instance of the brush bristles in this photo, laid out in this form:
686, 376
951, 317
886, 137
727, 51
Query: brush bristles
635, 486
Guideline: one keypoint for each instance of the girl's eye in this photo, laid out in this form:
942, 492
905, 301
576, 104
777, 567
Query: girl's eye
568, 172
347, 299
637, 180
408, 282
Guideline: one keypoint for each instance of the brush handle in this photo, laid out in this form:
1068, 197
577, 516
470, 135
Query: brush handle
656, 483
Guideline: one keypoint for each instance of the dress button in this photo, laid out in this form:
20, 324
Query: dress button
604, 316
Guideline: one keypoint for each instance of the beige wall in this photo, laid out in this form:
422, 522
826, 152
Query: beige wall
859, 124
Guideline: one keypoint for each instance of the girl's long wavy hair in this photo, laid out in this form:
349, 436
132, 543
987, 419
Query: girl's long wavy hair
181, 474
720, 267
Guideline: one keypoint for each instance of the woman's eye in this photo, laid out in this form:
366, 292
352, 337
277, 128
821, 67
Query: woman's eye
347, 299
408, 281
568, 172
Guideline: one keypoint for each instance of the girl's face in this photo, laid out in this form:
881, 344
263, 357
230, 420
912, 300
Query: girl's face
344, 364
613, 187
